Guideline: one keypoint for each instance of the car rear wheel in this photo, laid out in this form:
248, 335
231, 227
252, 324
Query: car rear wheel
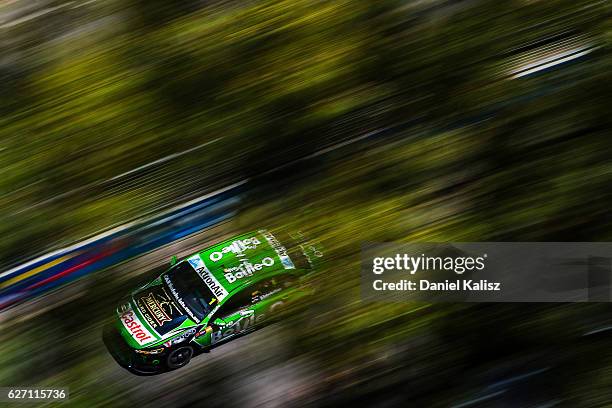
179, 357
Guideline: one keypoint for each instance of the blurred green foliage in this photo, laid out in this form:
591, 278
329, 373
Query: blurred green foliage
133, 81
441, 188
91, 92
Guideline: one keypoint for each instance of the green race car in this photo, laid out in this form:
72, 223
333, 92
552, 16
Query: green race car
209, 298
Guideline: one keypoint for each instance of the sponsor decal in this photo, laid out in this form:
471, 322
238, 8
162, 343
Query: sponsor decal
213, 284
179, 299
257, 297
197, 263
154, 351
212, 312
236, 247
179, 339
241, 325
157, 308
281, 251
246, 269
204, 331
146, 315
134, 326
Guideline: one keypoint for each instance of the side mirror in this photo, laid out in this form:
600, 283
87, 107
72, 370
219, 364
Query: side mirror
173, 260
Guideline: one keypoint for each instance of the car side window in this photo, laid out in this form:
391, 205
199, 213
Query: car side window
268, 287
238, 301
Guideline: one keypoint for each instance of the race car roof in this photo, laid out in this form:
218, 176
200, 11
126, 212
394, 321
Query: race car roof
243, 259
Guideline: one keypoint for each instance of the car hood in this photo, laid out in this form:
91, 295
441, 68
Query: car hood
152, 315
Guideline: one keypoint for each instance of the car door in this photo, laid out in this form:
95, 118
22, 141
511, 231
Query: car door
250, 308
274, 298
270, 296
235, 316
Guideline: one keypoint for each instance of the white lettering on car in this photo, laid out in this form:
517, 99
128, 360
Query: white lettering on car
209, 279
236, 247
246, 269
241, 325
179, 299
184, 336
133, 325
281, 251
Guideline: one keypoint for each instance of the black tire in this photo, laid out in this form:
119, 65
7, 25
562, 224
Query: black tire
179, 357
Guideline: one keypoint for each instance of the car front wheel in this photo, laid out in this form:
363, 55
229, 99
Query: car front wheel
179, 357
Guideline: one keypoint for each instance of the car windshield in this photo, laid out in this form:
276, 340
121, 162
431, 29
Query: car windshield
189, 290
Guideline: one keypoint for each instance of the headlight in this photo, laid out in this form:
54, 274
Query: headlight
154, 351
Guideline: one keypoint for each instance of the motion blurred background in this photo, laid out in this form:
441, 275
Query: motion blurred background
355, 121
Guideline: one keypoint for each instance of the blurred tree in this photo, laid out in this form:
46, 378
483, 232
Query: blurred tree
91, 92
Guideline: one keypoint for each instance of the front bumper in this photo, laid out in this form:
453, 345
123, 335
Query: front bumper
125, 356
